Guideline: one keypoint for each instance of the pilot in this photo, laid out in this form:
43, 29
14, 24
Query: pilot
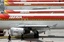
22, 38
9, 38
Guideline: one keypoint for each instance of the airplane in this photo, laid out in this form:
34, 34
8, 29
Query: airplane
21, 27
34, 11
33, 4
33, 0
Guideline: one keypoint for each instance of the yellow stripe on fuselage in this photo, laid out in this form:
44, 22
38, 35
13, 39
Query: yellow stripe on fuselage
30, 19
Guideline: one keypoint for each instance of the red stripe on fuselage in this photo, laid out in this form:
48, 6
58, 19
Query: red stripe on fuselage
43, 17
47, 11
33, 4
6, 16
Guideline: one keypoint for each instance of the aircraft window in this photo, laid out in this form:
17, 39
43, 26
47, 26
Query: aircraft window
11, 17
14, 16
18, 16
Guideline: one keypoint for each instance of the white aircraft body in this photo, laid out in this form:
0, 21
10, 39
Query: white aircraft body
21, 27
12, 22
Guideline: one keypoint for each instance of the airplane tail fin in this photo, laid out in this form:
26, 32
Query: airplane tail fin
53, 26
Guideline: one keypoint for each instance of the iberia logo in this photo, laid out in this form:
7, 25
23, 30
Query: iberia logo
4, 16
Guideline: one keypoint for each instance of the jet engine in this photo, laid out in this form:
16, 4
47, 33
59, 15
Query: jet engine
24, 32
16, 31
32, 34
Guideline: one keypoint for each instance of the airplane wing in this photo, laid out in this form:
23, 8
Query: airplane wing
35, 26
38, 26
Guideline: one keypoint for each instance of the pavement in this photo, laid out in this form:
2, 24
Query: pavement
56, 32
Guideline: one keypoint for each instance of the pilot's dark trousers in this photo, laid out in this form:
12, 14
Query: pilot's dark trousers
9, 38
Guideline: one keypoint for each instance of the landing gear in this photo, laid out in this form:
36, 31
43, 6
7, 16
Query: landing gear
36, 34
27, 30
28, 34
44, 32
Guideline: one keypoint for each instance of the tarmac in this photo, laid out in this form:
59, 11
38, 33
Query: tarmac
54, 32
